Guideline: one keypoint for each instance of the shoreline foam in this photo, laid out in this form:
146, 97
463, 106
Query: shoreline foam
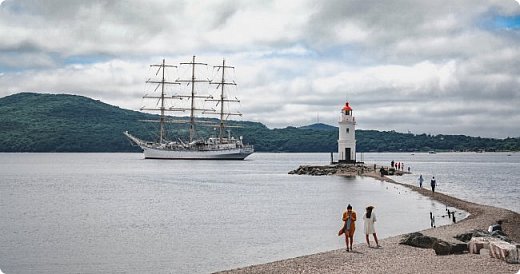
393, 257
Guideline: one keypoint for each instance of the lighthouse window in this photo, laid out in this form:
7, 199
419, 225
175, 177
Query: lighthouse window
348, 130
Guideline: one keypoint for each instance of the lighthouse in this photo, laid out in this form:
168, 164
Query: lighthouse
347, 136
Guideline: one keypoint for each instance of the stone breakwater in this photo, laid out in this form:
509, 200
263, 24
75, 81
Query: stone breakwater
342, 169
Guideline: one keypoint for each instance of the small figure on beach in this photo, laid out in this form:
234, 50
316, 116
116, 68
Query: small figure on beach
408, 169
495, 227
392, 163
421, 180
370, 219
349, 227
433, 183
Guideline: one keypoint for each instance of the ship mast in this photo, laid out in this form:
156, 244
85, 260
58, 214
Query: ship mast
194, 80
223, 97
161, 98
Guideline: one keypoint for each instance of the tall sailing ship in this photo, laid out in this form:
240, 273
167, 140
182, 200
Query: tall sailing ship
221, 147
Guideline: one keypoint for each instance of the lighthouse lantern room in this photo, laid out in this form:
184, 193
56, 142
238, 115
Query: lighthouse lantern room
347, 136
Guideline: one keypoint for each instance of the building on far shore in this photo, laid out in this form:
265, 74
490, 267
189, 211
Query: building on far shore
347, 136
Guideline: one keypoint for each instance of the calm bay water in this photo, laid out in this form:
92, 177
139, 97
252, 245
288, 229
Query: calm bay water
89, 212
484, 178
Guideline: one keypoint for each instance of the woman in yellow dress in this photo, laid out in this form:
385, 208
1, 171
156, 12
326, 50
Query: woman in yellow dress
349, 217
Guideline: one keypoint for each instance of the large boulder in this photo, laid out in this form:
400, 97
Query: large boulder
498, 234
446, 248
441, 248
417, 239
466, 237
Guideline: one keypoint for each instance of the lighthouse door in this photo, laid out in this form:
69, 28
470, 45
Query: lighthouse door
347, 154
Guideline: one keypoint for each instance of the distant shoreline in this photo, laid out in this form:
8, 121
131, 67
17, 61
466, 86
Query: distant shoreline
396, 258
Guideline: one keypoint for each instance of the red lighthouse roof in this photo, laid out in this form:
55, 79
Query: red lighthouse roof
346, 107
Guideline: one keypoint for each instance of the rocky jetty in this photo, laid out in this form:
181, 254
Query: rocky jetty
334, 169
346, 170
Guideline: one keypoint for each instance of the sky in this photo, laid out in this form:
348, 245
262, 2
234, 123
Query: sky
435, 67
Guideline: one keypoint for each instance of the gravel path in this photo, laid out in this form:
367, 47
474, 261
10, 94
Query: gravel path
396, 258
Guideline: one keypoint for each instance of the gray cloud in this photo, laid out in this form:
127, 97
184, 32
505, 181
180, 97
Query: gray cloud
424, 66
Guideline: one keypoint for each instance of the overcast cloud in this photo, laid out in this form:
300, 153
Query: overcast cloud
439, 67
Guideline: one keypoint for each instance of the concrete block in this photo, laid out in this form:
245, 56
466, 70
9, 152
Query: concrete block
504, 251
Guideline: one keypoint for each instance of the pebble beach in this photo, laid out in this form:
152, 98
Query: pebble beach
393, 257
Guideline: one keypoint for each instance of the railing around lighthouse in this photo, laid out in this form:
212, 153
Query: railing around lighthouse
344, 118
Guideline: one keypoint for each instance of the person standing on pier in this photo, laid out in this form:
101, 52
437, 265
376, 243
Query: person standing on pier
349, 217
433, 184
421, 180
370, 219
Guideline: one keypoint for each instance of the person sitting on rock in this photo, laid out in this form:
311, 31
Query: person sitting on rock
495, 227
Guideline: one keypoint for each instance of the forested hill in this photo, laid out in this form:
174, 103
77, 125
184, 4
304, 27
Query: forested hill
33, 122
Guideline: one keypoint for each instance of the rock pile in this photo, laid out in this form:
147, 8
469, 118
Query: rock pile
466, 237
497, 245
441, 247
337, 169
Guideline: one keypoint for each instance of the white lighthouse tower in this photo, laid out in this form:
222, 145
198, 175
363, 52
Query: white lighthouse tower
347, 135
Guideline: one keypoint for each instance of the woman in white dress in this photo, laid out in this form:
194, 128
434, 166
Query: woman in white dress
370, 219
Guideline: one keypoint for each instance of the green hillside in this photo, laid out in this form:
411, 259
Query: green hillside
33, 122
46, 122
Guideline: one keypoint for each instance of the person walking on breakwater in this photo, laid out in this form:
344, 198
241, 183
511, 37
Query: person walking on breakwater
433, 184
421, 180
349, 227
370, 219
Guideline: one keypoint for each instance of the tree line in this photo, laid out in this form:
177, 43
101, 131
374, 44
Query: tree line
33, 122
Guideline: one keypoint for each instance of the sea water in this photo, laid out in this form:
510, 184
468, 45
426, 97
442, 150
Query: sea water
116, 212
489, 178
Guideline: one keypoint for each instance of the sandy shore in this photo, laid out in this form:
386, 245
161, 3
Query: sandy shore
396, 258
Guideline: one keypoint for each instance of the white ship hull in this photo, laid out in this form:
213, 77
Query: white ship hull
154, 152
227, 154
